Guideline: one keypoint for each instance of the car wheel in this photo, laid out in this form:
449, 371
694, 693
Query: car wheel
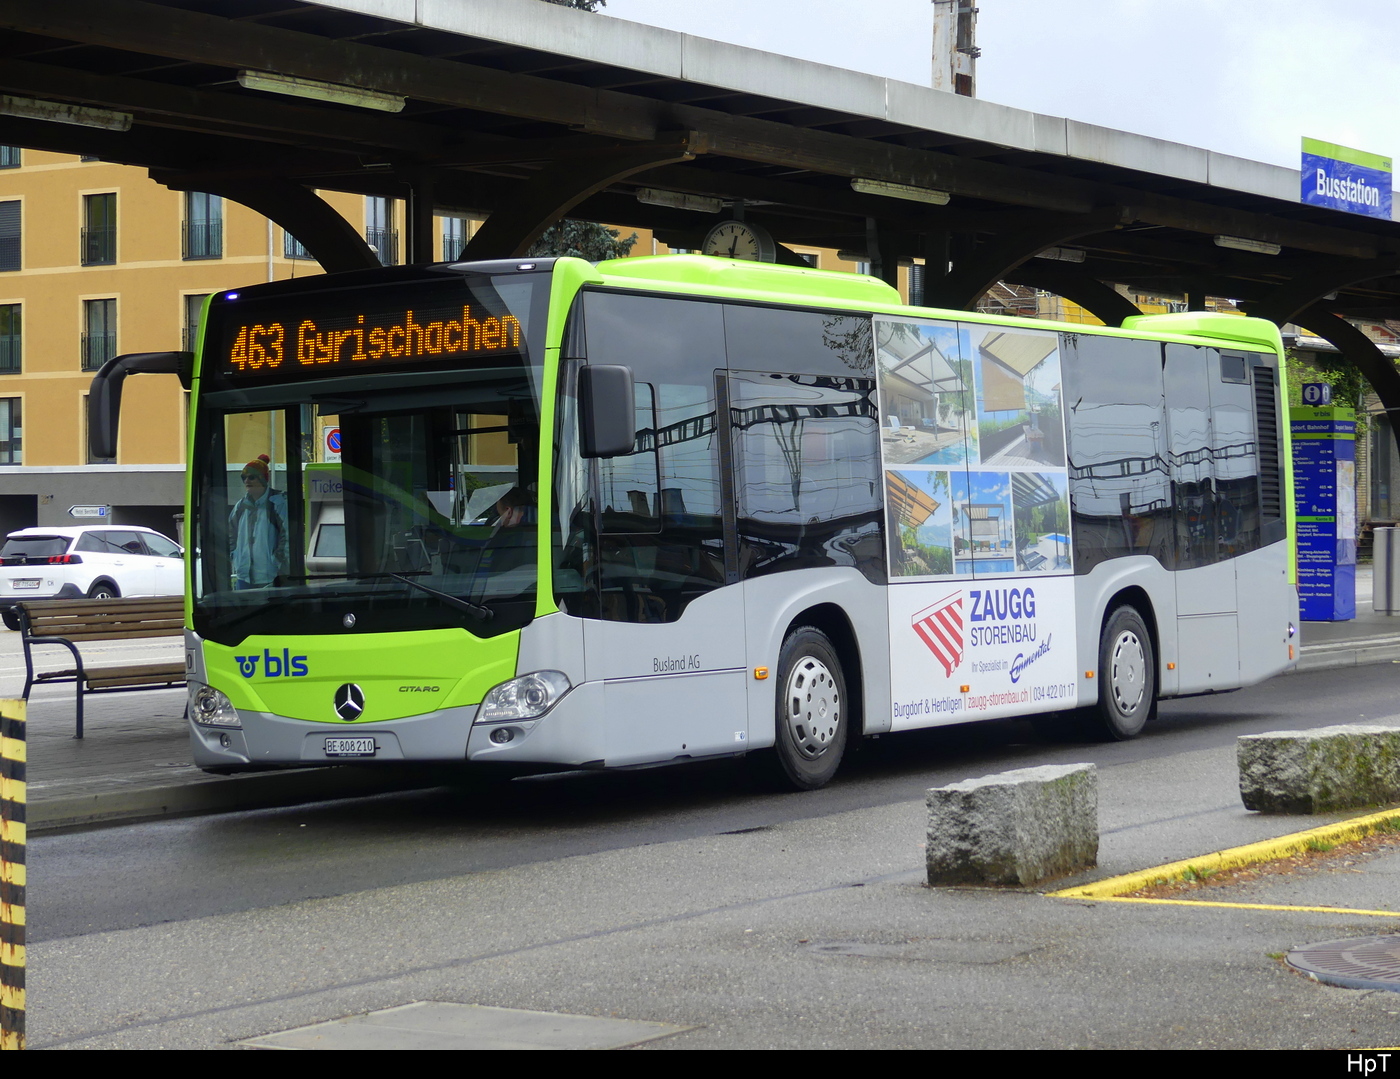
103, 590
1128, 676
10, 618
812, 712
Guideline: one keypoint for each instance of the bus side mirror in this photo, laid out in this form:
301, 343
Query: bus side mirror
105, 397
607, 412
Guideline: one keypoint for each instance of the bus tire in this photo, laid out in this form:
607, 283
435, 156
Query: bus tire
1127, 676
812, 712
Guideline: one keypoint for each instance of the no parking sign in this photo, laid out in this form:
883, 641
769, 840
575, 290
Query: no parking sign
330, 443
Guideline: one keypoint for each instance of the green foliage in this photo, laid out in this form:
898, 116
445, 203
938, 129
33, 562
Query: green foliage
1348, 384
934, 559
1321, 846
1191, 873
581, 239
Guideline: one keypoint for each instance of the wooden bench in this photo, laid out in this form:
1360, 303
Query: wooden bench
70, 622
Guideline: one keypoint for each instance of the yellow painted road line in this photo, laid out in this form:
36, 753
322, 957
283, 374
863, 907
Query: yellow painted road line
1268, 850
1239, 906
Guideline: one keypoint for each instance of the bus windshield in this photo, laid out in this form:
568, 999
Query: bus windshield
402, 496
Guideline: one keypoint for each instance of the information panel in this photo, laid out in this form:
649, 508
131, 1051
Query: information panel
1324, 479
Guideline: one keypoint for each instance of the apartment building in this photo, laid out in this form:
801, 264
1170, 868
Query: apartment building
96, 260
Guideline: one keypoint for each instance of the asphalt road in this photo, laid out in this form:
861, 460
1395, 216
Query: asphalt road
171, 871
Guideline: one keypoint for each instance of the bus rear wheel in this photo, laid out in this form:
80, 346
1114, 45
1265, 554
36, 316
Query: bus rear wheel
812, 711
1127, 677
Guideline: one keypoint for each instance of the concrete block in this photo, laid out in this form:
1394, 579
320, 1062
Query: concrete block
1355, 764
1014, 828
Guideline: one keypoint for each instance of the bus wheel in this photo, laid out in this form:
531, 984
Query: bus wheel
812, 711
1128, 676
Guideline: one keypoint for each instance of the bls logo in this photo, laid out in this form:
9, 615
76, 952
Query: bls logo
284, 666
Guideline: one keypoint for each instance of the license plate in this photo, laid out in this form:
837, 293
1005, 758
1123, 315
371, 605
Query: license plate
350, 747
27, 582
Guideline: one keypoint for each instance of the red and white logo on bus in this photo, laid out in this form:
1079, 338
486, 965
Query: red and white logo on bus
940, 627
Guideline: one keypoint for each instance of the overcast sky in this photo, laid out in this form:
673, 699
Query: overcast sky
1247, 77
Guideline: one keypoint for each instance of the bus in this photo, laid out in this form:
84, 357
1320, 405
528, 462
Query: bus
558, 515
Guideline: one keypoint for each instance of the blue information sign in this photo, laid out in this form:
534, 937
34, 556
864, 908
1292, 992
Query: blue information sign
1341, 178
1324, 491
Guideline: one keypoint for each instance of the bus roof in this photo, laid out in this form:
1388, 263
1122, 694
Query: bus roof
762, 281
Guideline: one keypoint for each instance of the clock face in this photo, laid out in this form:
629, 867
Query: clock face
739, 240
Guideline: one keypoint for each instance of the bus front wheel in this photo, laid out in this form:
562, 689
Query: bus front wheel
1128, 676
812, 711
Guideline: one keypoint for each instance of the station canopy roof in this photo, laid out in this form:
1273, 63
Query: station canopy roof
528, 112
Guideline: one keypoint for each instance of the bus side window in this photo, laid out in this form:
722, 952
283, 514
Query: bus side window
807, 473
660, 538
1119, 477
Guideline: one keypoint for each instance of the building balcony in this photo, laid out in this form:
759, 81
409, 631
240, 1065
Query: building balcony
203, 240
99, 245
98, 348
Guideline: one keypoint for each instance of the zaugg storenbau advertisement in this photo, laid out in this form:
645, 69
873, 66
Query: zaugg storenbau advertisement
981, 602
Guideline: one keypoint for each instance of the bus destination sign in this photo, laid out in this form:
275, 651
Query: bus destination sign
298, 347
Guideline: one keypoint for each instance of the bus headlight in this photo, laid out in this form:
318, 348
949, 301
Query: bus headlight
210, 708
527, 697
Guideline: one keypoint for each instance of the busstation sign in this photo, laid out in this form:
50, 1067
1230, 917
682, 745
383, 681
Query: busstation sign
1341, 178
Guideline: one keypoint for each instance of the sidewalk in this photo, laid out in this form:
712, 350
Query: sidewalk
135, 763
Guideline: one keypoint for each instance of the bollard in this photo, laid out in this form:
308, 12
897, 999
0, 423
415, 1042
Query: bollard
1385, 592
12, 841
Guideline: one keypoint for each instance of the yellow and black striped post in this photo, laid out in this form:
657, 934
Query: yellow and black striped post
12, 840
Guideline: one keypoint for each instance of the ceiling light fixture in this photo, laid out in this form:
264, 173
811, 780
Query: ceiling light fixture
1062, 254
1241, 243
901, 191
321, 91
57, 112
679, 200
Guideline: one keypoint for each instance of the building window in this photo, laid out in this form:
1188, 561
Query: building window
99, 229
916, 285
194, 307
380, 233
10, 431
92, 458
99, 332
454, 238
9, 235
89, 157
9, 157
292, 247
10, 319
204, 226
809, 257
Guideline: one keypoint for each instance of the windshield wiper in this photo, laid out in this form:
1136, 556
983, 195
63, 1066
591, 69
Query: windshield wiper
484, 613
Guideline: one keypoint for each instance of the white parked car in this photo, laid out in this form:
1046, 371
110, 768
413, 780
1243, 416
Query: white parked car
99, 562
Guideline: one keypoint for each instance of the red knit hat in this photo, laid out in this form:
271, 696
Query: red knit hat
259, 465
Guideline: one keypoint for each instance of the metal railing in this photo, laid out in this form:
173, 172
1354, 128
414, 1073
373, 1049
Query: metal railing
9, 354
99, 245
385, 243
203, 239
98, 348
452, 247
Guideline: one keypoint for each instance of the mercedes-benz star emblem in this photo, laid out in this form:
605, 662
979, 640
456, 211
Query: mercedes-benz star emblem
349, 702
348, 621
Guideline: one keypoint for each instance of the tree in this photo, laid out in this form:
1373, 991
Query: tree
581, 239
582, 5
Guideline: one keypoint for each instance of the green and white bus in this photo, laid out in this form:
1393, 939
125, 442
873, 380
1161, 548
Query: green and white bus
556, 515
